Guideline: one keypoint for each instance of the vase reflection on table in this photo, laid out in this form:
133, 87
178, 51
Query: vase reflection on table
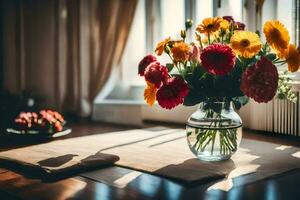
221, 70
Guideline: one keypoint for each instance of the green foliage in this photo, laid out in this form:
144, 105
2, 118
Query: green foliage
169, 66
204, 86
284, 90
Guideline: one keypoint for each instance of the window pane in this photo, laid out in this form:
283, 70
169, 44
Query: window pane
282, 10
172, 21
232, 8
135, 48
204, 9
285, 14
172, 17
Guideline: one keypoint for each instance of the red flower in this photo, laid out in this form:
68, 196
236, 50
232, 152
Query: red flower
172, 93
218, 59
239, 26
156, 73
144, 63
228, 18
260, 81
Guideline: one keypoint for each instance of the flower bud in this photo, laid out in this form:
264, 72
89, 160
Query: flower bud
183, 34
188, 24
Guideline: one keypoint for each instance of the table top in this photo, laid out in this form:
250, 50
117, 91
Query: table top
13, 185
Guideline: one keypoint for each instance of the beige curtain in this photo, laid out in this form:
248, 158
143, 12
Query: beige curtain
64, 50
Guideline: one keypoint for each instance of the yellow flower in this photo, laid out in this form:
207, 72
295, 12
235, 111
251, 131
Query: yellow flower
161, 46
209, 25
150, 93
276, 35
246, 44
180, 51
292, 57
224, 25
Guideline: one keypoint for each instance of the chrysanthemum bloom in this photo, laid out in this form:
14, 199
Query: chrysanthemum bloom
160, 47
209, 25
260, 81
145, 62
150, 94
276, 35
180, 51
172, 93
218, 59
195, 54
292, 57
246, 44
156, 73
239, 26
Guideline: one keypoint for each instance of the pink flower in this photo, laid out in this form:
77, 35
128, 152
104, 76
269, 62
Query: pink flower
195, 54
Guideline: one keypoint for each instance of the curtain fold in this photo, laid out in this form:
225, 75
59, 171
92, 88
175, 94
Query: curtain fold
113, 19
63, 50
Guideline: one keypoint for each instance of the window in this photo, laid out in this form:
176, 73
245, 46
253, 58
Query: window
135, 48
167, 18
281, 10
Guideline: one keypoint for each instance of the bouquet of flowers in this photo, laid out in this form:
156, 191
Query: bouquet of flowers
225, 63
46, 121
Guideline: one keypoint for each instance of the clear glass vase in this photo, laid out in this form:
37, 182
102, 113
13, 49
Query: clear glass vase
214, 131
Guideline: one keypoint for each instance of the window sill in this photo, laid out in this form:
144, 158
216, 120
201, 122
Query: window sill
128, 107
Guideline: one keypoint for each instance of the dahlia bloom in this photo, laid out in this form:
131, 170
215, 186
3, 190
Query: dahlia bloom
172, 93
156, 73
218, 59
260, 81
145, 62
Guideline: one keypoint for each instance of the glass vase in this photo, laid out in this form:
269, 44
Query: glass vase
214, 131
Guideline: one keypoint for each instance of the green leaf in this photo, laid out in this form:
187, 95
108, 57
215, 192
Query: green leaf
240, 101
169, 66
271, 56
192, 98
189, 133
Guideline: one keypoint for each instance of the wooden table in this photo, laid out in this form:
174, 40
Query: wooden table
15, 186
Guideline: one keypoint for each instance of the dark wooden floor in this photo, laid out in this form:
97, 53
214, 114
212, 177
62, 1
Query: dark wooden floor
14, 185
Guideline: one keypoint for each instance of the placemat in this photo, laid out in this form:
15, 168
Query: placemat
162, 152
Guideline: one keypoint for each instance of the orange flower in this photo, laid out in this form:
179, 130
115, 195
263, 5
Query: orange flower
246, 44
292, 57
180, 51
150, 93
209, 25
276, 35
160, 47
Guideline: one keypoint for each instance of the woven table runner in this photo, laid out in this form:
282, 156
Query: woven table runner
163, 152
